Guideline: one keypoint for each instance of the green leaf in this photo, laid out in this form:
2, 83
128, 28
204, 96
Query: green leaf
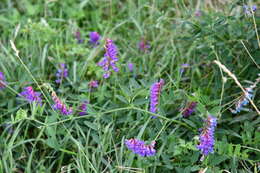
91, 125
190, 123
122, 99
125, 91
215, 110
215, 159
51, 131
134, 83
21, 115
237, 150
201, 108
141, 101
53, 143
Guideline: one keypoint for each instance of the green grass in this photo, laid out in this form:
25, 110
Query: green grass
45, 141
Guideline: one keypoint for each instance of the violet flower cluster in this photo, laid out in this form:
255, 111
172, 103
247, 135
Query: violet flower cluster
241, 103
130, 66
61, 73
93, 84
94, 38
110, 58
78, 37
144, 45
249, 9
31, 96
246, 97
155, 91
83, 108
189, 109
139, 147
2, 81
207, 141
198, 13
60, 106
183, 67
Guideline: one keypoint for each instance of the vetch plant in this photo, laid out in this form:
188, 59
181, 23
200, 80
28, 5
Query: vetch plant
130, 66
139, 147
31, 96
94, 38
59, 105
110, 58
244, 99
83, 108
144, 45
183, 67
2, 81
155, 91
249, 9
61, 73
93, 84
189, 109
78, 37
206, 138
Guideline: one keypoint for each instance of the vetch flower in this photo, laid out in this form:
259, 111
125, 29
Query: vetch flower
206, 138
183, 66
94, 38
78, 37
130, 66
155, 91
110, 58
243, 101
249, 9
189, 109
144, 45
61, 73
197, 13
83, 108
139, 147
93, 84
246, 97
59, 105
31, 96
2, 81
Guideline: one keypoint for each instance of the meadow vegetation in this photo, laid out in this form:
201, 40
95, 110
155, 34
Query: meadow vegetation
147, 86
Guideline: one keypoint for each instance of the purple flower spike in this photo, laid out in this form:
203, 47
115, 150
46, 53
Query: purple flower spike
94, 38
2, 81
144, 45
78, 37
31, 96
108, 63
60, 106
189, 109
61, 73
139, 147
93, 84
130, 66
156, 89
83, 108
207, 141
